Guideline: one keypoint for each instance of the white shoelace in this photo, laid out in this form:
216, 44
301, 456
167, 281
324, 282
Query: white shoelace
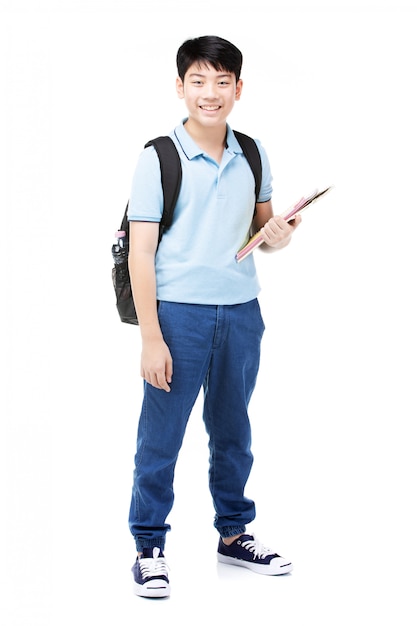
258, 549
155, 566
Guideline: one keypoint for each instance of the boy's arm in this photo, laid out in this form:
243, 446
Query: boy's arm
156, 361
276, 232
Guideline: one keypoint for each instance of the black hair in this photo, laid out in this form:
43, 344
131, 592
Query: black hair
209, 50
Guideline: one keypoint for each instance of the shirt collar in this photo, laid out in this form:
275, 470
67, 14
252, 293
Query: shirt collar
191, 149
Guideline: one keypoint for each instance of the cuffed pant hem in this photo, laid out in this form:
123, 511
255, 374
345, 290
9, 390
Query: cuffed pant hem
158, 542
231, 531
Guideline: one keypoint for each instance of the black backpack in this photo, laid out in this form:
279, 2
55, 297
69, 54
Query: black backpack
171, 176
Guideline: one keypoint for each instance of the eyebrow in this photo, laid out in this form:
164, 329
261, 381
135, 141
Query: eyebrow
196, 75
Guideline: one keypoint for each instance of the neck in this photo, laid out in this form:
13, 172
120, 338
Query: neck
213, 137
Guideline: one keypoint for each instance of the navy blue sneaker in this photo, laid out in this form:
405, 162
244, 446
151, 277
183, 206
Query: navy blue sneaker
247, 551
150, 573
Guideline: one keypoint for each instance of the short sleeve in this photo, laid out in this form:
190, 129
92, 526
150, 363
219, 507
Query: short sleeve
265, 192
146, 199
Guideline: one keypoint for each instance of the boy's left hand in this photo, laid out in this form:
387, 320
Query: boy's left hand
277, 232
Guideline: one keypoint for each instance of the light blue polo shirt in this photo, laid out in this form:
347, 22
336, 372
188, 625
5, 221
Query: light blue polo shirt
195, 262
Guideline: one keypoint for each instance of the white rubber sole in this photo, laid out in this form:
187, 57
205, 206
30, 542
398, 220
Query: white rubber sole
153, 589
276, 567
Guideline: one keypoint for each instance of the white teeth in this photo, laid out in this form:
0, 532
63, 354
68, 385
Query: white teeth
210, 108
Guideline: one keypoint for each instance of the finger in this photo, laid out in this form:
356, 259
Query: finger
163, 383
151, 378
169, 372
295, 221
278, 221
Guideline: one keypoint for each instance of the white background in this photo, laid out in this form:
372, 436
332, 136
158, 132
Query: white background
329, 88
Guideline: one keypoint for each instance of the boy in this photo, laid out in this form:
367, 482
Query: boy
207, 327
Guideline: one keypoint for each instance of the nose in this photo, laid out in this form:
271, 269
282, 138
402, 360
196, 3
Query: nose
210, 92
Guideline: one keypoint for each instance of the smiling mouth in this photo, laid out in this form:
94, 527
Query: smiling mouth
208, 107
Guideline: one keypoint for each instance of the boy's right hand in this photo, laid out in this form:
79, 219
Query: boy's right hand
156, 363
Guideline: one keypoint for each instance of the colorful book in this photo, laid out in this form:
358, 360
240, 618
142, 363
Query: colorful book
302, 204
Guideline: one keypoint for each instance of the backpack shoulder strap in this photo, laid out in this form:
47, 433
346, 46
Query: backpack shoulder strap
251, 152
171, 176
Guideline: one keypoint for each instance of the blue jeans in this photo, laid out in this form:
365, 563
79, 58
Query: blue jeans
217, 348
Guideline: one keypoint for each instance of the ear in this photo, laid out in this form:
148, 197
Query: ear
180, 87
239, 86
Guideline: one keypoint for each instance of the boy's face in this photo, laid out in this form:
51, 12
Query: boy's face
209, 94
